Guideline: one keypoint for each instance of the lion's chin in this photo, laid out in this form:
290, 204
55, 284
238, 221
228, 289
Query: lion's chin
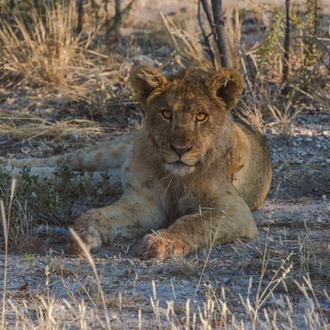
179, 168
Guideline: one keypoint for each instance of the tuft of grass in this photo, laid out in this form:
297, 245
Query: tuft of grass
183, 266
42, 46
33, 127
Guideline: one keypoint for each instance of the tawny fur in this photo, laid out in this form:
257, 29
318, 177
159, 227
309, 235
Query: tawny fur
192, 182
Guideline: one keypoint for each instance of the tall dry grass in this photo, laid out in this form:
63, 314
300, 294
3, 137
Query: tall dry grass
42, 47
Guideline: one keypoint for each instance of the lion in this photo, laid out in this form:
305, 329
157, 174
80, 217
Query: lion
187, 179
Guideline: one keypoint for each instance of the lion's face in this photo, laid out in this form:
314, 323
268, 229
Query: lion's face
186, 115
183, 126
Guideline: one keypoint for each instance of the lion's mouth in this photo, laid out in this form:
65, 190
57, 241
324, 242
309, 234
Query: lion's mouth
180, 162
179, 168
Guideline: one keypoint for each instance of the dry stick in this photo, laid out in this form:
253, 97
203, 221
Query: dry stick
95, 9
244, 69
320, 90
220, 35
214, 17
316, 20
208, 12
286, 42
326, 48
168, 28
80, 14
5, 225
205, 40
118, 12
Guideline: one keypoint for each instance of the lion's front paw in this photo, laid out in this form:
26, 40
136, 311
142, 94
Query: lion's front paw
87, 229
161, 245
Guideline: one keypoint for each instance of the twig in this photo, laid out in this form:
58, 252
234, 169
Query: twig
287, 43
208, 13
217, 25
244, 68
205, 41
326, 48
320, 90
327, 65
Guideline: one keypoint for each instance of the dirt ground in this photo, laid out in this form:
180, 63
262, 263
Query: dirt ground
294, 225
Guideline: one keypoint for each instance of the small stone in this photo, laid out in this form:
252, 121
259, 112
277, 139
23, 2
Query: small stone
88, 239
113, 316
95, 249
75, 137
104, 238
309, 133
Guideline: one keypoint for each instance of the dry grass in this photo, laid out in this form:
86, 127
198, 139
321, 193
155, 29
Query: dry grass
46, 48
43, 51
33, 127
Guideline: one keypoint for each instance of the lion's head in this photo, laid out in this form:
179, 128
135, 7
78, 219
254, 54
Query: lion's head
187, 114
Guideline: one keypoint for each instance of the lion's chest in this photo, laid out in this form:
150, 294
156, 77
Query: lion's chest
179, 202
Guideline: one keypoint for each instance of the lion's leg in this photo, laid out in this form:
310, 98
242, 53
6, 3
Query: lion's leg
135, 214
111, 185
101, 157
220, 225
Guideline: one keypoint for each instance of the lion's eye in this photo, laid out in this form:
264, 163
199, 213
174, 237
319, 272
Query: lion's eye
201, 117
167, 114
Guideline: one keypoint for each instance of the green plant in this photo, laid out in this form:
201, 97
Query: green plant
54, 196
274, 33
28, 259
312, 25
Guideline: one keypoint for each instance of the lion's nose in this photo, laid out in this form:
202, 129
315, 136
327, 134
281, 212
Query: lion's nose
180, 151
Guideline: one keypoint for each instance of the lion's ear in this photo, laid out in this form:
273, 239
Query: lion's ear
145, 80
228, 85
